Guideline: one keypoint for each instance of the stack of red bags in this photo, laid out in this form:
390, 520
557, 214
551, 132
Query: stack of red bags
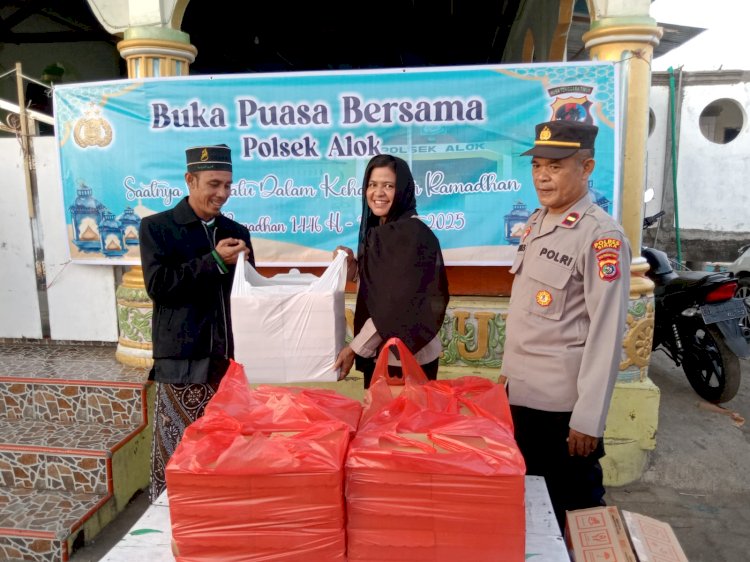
434, 472
260, 475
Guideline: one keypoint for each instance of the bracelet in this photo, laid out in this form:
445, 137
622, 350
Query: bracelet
222, 266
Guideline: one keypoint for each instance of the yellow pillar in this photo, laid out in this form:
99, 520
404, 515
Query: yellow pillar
149, 52
633, 415
632, 46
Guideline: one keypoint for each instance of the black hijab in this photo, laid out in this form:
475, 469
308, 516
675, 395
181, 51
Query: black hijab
403, 286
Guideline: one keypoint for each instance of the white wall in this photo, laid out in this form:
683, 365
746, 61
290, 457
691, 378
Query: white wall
19, 306
657, 149
712, 179
81, 298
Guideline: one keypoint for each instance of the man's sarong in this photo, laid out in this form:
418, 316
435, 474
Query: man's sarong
177, 406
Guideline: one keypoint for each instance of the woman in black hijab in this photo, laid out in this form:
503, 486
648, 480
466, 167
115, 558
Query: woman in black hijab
403, 288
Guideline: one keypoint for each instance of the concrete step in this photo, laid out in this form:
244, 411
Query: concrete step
70, 401
57, 361
45, 455
44, 525
74, 445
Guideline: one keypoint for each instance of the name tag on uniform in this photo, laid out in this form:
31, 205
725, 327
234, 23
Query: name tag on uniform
556, 256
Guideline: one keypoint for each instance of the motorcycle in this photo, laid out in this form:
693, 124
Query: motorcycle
741, 269
697, 323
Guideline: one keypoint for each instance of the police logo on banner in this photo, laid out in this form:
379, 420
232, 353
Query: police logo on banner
567, 107
92, 129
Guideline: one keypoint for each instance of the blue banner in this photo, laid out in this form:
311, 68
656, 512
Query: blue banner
300, 143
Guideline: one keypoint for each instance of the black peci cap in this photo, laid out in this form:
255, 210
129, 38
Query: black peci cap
216, 157
561, 139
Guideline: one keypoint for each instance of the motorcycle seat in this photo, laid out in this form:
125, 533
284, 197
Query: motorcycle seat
687, 279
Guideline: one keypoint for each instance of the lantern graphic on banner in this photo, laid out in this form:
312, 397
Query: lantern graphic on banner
130, 223
514, 223
86, 213
599, 198
113, 244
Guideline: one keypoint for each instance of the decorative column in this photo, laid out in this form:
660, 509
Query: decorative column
149, 52
633, 418
156, 51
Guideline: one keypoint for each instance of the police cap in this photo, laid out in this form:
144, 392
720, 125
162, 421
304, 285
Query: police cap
560, 139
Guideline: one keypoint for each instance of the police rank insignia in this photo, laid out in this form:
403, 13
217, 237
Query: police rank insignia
543, 298
608, 257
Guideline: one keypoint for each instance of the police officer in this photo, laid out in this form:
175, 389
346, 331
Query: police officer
566, 320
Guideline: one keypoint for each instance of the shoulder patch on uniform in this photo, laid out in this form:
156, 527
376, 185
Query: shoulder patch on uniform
609, 265
606, 243
608, 257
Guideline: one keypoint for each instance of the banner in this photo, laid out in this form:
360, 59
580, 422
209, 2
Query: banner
300, 143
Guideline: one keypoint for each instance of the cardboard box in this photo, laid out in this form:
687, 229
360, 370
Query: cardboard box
597, 534
653, 540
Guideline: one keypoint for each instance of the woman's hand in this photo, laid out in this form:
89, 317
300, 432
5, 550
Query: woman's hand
344, 362
351, 262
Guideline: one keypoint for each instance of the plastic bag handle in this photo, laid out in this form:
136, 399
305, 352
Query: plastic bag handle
457, 443
410, 368
334, 277
246, 278
403, 442
238, 282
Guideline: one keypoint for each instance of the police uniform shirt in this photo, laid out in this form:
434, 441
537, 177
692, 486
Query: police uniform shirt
567, 316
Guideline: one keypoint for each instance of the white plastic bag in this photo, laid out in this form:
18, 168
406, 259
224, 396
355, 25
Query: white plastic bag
290, 327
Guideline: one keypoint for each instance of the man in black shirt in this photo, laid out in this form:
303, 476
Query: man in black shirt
188, 255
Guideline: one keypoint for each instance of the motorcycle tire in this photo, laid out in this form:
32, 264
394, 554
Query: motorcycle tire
743, 292
710, 366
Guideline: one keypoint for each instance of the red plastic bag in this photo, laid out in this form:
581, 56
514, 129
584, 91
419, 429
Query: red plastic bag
383, 387
258, 496
469, 395
434, 472
216, 444
270, 407
422, 487
411, 369
317, 404
233, 393
260, 475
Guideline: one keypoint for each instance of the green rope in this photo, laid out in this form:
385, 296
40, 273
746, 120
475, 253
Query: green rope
674, 165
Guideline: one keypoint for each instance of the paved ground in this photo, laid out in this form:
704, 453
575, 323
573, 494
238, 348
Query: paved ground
697, 478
